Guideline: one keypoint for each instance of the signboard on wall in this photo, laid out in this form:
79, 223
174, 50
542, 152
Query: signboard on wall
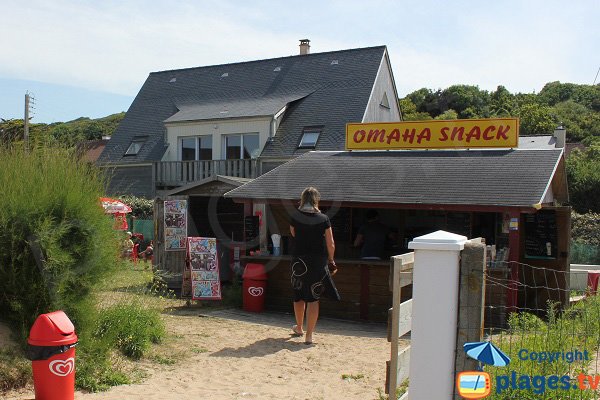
204, 265
175, 224
434, 134
541, 235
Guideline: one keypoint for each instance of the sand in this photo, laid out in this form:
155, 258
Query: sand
230, 354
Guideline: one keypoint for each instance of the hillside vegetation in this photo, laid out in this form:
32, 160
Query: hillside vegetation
67, 133
576, 107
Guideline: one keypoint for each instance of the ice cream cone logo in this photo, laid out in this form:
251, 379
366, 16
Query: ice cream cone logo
62, 367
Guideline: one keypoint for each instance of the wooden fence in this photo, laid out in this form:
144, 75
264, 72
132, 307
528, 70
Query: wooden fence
399, 322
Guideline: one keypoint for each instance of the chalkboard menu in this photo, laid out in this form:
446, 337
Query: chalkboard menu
459, 223
251, 232
541, 235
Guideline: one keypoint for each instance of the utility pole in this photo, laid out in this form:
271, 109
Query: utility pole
29, 102
26, 123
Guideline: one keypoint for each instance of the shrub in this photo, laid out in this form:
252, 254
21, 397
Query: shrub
585, 228
55, 241
132, 327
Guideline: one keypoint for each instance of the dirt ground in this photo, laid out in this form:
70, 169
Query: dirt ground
231, 354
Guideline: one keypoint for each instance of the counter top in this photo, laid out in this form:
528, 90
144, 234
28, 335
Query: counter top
339, 261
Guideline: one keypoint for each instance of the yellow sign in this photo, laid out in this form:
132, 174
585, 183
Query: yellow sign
432, 134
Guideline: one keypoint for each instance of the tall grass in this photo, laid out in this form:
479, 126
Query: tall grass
55, 245
55, 241
576, 329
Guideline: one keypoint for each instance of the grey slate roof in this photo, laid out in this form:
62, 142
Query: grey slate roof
233, 108
480, 177
325, 94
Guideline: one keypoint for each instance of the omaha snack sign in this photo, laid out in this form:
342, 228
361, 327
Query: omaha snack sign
448, 134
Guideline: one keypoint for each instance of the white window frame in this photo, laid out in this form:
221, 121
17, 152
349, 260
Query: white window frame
224, 144
317, 130
132, 150
180, 140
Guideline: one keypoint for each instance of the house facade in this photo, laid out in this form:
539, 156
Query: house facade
243, 119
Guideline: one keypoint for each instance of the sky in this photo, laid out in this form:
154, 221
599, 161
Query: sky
89, 58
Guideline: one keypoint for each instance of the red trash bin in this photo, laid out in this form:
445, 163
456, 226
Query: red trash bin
52, 342
254, 286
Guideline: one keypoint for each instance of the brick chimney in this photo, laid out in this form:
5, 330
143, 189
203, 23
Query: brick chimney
304, 47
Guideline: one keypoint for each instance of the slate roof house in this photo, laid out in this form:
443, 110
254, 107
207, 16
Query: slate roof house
244, 119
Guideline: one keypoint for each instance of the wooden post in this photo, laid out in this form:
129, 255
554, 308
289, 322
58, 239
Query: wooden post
471, 300
514, 257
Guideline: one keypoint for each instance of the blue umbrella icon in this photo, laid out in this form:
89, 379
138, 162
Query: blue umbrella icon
486, 353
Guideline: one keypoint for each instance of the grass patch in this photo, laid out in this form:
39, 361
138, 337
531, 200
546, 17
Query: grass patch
353, 377
163, 360
15, 370
199, 350
132, 327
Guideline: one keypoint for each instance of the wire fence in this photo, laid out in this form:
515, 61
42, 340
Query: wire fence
551, 335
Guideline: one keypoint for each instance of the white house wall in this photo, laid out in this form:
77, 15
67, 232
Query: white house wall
217, 129
383, 85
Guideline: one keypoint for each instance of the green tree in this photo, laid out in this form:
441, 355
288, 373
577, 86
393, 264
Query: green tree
583, 175
467, 100
502, 102
579, 121
448, 114
536, 119
409, 111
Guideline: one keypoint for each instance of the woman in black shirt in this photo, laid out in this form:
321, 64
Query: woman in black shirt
312, 262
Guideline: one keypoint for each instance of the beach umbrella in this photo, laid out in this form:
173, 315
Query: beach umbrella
114, 206
486, 353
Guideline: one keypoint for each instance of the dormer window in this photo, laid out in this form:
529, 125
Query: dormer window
135, 146
309, 138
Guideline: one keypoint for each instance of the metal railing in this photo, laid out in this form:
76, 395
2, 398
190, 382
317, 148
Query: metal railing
178, 173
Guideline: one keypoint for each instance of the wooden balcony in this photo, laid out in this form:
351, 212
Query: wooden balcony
179, 173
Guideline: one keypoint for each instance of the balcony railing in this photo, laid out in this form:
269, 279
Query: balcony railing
179, 173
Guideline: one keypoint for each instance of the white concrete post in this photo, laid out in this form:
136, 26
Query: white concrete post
435, 311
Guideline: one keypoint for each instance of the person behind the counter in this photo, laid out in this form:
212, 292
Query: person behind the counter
372, 237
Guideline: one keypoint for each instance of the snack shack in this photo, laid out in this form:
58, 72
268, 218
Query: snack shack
474, 177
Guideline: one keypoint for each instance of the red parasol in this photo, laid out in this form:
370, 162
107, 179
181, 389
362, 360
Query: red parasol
113, 206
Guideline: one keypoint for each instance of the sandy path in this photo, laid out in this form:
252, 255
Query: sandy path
236, 355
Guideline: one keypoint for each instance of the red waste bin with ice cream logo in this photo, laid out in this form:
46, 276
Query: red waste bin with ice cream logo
254, 286
51, 349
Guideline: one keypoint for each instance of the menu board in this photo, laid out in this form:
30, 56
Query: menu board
251, 232
204, 263
541, 235
175, 224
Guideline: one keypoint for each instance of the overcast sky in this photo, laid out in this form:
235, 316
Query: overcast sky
90, 58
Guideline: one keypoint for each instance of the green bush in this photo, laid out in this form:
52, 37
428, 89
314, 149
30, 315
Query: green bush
583, 175
141, 208
55, 241
55, 244
585, 228
132, 327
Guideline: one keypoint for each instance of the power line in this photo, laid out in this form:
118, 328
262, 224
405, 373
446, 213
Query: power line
596, 76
